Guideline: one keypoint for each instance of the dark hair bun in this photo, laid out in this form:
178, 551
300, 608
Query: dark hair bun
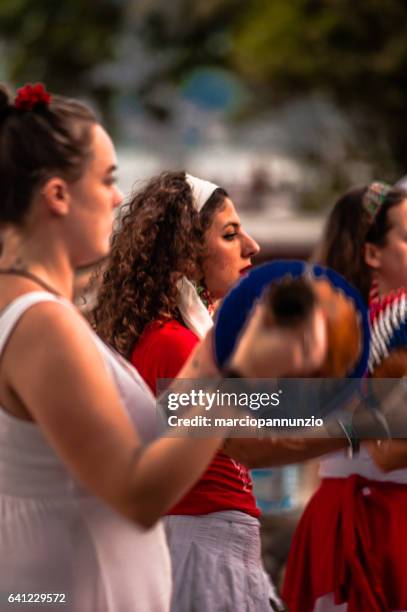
5, 97
5, 101
36, 145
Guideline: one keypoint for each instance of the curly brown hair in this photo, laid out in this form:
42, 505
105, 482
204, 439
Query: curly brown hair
160, 239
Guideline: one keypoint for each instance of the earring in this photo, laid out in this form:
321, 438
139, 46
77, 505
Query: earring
206, 299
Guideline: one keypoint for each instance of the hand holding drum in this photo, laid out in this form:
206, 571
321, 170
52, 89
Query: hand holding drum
310, 316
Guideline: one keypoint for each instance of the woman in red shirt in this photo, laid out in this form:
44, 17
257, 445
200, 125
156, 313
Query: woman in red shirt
181, 247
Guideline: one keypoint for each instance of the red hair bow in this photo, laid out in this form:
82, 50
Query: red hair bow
30, 96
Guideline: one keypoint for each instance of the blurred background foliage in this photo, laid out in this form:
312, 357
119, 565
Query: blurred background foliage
353, 52
321, 82
60, 43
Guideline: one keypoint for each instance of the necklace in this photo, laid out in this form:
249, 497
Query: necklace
33, 277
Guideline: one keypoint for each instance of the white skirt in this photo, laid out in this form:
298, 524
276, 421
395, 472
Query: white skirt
216, 564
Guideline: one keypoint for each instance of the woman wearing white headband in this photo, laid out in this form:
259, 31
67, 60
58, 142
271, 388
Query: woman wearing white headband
181, 247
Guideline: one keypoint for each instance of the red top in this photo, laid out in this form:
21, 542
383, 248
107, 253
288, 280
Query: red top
226, 485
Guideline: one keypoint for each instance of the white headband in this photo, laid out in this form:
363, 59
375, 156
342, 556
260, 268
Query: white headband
201, 190
195, 315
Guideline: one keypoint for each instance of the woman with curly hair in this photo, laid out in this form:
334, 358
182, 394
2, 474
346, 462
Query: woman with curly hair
180, 240
180, 248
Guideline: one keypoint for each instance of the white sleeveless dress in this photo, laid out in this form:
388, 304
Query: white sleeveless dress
57, 538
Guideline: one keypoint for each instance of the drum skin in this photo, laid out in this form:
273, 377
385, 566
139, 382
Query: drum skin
344, 330
346, 314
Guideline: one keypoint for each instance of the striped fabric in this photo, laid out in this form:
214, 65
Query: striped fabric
388, 321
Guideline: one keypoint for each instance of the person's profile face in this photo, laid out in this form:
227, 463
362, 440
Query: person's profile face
389, 261
228, 251
95, 196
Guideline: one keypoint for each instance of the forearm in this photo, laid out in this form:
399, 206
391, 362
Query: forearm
165, 471
272, 452
201, 362
389, 455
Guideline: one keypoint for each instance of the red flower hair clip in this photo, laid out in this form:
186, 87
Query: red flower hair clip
30, 96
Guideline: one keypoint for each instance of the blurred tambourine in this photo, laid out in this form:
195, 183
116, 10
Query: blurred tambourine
347, 317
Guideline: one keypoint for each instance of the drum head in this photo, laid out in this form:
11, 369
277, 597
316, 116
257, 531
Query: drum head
237, 305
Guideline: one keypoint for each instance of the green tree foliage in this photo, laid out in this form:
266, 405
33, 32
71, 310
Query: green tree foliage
194, 34
59, 42
353, 50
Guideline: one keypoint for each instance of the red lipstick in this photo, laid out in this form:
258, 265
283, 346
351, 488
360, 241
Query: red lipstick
245, 270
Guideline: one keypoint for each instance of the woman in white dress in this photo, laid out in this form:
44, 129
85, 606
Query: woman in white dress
84, 477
